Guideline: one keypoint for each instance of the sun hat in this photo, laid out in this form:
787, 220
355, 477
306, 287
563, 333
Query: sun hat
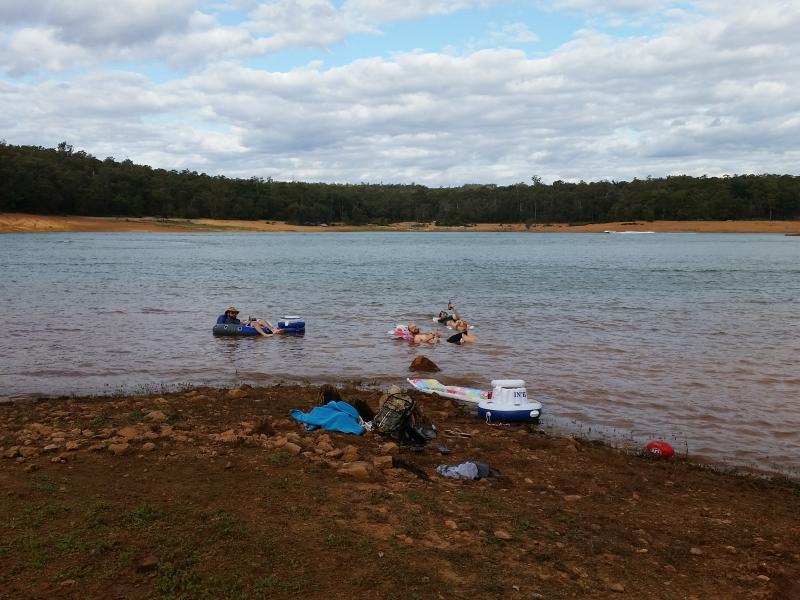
232, 309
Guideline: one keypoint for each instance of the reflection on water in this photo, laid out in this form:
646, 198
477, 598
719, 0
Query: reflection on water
692, 338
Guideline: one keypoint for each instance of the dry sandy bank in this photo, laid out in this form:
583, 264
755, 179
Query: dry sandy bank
24, 223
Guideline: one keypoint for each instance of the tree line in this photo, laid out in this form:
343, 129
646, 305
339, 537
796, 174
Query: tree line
61, 181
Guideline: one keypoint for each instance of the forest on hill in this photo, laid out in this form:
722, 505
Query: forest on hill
61, 181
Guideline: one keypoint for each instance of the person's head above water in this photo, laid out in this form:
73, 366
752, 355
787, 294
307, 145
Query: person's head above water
232, 311
442, 314
461, 325
413, 328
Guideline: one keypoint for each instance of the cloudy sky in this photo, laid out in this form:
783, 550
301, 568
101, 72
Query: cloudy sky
434, 92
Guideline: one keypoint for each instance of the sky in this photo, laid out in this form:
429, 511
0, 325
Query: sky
438, 93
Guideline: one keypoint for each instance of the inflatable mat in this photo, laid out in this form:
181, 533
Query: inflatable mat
432, 386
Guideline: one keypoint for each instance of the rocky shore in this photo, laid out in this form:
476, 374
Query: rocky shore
210, 493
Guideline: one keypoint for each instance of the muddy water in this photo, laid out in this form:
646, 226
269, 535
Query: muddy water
693, 338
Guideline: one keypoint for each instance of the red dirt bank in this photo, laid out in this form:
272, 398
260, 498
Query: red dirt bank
208, 494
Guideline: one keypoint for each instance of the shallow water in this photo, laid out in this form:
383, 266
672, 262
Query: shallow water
693, 338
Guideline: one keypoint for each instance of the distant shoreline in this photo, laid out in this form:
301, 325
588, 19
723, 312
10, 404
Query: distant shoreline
25, 223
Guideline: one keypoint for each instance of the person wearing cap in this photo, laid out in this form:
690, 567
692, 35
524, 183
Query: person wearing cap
229, 317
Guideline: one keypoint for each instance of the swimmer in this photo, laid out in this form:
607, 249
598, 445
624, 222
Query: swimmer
417, 337
460, 325
445, 317
463, 337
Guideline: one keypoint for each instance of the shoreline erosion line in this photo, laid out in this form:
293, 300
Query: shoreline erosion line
28, 223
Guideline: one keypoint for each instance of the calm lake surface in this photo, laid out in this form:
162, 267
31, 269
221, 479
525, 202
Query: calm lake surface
693, 338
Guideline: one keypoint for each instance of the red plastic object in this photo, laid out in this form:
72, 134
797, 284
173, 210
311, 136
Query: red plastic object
660, 448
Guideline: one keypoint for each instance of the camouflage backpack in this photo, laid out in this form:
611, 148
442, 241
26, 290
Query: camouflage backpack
393, 417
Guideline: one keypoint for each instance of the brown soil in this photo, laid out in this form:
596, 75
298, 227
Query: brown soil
23, 223
218, 494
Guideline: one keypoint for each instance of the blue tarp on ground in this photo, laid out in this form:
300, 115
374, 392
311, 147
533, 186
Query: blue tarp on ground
334, 416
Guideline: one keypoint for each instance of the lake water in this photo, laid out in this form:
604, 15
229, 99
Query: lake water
693, 338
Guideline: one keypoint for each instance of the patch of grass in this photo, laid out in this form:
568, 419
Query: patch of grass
478, 498
142, 516
99, 422
43, 484
493, 586
224, 524
279, 459
282, 483
522, 524
32, 545
345, 540
97, 515
173, 419
36, 516
39, 560
135, 416
429, 502
566, 518
267, 544
336, 540
68, 542
377, 517
266, 587
175, 583
226, 586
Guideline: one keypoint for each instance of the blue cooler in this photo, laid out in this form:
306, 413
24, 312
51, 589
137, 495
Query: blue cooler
292, 325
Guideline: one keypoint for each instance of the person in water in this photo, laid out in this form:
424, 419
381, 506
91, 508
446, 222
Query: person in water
445, 317
262, 326
229, 317
462, 337
460, 325
417, 337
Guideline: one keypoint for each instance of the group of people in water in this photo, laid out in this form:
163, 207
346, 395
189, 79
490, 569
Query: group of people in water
449, 318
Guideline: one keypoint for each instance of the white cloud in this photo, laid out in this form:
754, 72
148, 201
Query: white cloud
99, 22
379, 11
612, 6
512, 33
709, 95
180, 33
303, 23
31, 49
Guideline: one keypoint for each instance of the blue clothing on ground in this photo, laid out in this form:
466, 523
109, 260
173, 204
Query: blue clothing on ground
334, 416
